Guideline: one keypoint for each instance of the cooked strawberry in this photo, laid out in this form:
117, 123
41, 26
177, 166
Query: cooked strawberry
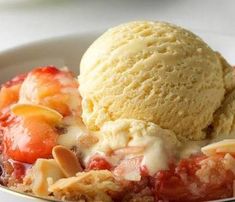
26, 139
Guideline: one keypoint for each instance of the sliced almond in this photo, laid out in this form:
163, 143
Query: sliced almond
43, 170
66, 160
129, 150
27, 110
224, 146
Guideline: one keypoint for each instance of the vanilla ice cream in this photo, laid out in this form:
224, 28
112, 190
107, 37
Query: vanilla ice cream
133, 138
223, 125
151, 71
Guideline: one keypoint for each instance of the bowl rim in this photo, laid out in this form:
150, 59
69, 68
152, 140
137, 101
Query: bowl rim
24, 195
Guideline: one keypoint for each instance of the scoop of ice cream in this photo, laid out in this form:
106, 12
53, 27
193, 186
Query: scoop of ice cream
151, 71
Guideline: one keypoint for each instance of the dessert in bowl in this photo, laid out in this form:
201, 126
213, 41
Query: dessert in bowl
149, 118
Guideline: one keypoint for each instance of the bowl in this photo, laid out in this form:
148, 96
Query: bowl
67, 51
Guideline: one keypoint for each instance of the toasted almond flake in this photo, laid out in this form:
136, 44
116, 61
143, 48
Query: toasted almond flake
224, 146
44, 173
129, 150
66, 160
27, 110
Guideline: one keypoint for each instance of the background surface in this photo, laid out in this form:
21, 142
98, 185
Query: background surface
22, 21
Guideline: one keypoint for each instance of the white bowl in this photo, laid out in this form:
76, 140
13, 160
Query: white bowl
60, 51
67, 51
